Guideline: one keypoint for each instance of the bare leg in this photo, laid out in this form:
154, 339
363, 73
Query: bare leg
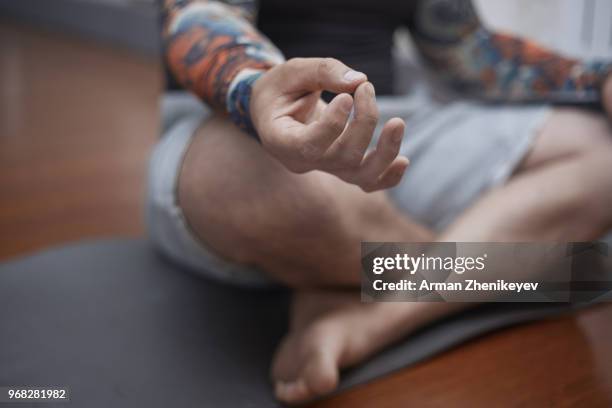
562, 191
305, 230
331, 330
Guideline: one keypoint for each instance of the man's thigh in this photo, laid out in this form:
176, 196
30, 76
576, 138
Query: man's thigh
230, 189
247, 208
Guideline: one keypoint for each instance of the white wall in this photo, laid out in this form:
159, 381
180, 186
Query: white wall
579, 27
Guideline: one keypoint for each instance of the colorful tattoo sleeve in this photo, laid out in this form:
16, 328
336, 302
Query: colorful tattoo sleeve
213, 50
497, 66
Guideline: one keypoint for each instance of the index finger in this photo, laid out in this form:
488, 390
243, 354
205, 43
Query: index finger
319, 135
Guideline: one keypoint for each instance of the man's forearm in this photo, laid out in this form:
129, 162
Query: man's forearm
502, 67
499, 66
214, 51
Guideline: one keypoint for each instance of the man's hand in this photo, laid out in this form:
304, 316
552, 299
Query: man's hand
304, 133
606, 95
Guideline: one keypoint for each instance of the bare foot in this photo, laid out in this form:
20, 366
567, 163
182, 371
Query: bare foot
334, 330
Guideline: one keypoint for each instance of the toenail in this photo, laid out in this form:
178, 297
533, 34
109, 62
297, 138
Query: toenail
281, 390
290, 388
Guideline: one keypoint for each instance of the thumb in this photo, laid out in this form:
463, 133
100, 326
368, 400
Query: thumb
321, 74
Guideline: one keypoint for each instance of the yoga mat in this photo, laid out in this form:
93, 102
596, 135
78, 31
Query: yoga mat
121, 327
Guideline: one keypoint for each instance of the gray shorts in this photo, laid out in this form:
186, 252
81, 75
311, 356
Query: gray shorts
458, 150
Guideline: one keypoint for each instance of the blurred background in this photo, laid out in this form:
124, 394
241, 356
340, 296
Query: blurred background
80, 82
79, 87
582, 28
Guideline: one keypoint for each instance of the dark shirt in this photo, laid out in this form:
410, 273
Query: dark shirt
359, 33
207, 53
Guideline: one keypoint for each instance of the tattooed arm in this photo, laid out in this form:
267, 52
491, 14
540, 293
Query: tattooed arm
497, 66
213, 50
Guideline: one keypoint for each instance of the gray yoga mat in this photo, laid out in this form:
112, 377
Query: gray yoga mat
121, 327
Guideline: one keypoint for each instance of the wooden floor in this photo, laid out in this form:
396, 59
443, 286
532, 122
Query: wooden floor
77, 122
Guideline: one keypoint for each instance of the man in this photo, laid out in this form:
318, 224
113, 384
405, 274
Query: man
278, 186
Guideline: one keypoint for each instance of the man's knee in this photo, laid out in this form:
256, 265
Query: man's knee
593, 189
603, 204
582, 142
567, 133
581, 130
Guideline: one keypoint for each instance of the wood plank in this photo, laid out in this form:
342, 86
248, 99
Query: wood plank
77, 122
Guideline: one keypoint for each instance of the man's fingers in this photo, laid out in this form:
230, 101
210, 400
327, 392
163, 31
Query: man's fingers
382, 167
379, 159
394, 173
319, 135
321, 74
389, 178
349, 149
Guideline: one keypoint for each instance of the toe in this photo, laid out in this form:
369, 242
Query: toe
318, 377
280, 390
321, 373
298, 391
292, 392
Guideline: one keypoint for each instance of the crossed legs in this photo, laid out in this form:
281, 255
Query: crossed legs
305, 231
